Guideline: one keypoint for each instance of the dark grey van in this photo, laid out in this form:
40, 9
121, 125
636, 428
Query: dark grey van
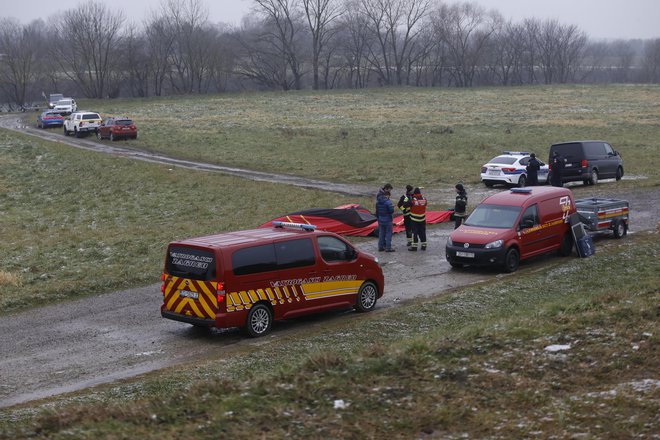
588, 161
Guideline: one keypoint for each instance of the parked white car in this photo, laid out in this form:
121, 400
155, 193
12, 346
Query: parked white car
66, 106
510, 168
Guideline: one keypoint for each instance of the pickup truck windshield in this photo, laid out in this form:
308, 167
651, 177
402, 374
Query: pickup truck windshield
493, 216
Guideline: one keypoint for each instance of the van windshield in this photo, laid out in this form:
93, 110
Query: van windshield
191, 263
493, 216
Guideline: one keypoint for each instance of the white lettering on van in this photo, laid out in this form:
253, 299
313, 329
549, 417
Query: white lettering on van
295, 282
330, 279
189, 260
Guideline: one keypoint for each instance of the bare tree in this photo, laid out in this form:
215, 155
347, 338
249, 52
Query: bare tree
159, 37
651, 61
86, 48
395, 25
320, 15
283, 28
465, 29
560, 50
20, 53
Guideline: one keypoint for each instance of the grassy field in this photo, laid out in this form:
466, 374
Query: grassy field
75, 223
425, 136
500, 360
473, 363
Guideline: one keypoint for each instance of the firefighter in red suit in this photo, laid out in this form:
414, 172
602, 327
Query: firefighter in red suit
418, 220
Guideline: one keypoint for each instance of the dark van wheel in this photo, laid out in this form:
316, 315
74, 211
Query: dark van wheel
619, 173
594, 177
259, 320
620, 229
366, 297
511, 260
566, 248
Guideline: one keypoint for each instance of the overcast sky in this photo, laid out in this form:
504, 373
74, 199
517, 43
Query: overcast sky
600, 19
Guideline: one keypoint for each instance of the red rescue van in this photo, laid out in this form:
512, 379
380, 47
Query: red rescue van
250, 278
515, 225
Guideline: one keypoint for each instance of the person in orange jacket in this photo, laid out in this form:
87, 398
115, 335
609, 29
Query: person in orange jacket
418, 219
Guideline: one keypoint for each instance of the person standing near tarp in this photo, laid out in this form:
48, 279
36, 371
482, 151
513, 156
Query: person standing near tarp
460, 206
556, 168
384, 211
533, 167
405, 202
418, 219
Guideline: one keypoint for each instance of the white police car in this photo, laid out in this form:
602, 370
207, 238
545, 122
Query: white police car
509, 168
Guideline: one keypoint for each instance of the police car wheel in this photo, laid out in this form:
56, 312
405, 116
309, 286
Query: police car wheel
366, 297
259, 320
511, 260
522, 181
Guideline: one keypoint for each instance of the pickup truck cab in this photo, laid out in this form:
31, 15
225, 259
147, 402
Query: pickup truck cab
512, 226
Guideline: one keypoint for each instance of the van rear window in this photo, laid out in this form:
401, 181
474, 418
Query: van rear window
191, 263
570, 152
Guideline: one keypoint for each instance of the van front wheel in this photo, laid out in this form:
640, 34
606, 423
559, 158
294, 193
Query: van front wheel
366, 297
511, 260
259, 320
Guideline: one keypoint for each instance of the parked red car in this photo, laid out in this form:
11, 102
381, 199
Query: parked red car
117, 128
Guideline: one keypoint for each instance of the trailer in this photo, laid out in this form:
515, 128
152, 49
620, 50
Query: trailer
604, 215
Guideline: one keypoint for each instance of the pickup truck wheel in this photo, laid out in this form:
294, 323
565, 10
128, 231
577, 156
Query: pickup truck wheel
511, 260
620, 229
259, 320
366, 297
76, 133
594, 177
566, 248
66, 132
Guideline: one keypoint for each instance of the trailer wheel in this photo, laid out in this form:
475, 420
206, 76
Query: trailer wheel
620, 229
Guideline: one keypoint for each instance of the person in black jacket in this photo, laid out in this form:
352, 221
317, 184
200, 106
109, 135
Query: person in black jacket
405, 202
556, 168
533, 167
460, 207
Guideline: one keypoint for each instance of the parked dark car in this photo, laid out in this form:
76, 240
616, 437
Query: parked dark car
117, 128
588, 161
50, 118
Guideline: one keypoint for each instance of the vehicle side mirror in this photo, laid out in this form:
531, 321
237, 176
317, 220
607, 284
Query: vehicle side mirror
526, 223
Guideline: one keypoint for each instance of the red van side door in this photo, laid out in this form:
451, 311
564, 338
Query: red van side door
530, 232
341, 276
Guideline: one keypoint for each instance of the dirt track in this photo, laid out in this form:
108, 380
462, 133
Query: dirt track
97, 340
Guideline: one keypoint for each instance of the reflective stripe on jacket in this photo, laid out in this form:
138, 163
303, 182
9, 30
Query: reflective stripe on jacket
418, 208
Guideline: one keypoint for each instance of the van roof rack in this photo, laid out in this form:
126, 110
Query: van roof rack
521, 190
303, 226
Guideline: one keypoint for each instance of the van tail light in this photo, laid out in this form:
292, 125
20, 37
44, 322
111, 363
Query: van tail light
584, 163
163, 278
221, 292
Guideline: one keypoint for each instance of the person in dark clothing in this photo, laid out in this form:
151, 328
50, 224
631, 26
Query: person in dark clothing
405, 202
533, 167
556, 168
384, 211
460, 207
418, 218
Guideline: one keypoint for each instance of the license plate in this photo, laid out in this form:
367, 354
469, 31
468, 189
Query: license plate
188, 294
465, 254
493, 172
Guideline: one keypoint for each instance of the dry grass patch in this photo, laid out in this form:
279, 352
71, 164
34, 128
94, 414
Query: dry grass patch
10, 279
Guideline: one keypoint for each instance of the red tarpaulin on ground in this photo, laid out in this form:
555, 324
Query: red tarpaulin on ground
352, 219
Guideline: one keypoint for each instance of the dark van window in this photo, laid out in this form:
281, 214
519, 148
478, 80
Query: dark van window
333, 249
254, 259
294, 253
191, 263
594, 149
571, 152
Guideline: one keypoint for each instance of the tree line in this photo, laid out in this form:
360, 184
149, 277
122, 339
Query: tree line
96, 52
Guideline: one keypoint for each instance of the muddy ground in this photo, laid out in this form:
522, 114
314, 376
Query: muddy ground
101, 339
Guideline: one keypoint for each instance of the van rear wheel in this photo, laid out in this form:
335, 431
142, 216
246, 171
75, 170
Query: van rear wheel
594, 177
259, 320
366, 297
